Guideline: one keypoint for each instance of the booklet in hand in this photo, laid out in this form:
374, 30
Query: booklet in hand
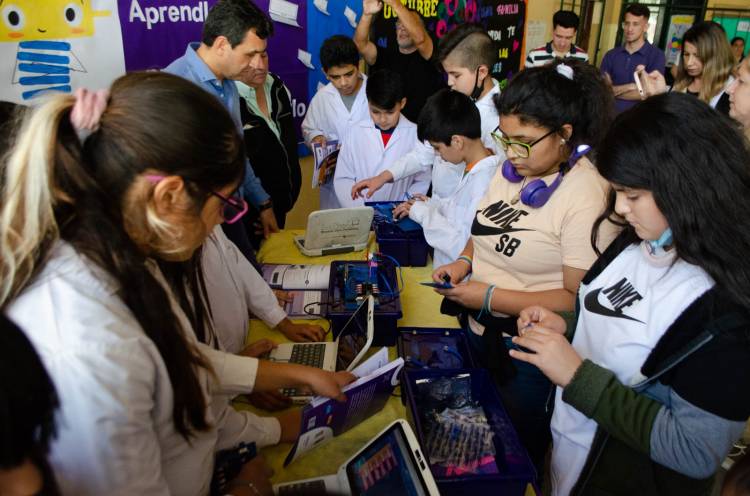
324, 418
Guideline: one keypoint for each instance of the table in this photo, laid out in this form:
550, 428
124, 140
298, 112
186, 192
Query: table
420, 306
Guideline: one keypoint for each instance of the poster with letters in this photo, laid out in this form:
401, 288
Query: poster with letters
504, 20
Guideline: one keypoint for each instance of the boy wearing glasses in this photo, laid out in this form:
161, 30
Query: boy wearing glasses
467, 55
620, 63
450, 122
411, 58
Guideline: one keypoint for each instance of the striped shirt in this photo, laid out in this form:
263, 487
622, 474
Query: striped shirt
545, 54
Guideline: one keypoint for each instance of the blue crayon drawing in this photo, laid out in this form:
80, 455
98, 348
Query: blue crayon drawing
43, 66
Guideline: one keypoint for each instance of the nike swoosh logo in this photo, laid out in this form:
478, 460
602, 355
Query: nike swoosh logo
591, 303
478, 229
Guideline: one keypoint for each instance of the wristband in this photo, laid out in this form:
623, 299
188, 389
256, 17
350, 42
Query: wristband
465, 259
265, 205
244, 483
487, 304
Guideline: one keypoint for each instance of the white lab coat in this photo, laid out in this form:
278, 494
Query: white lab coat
446, 176
363, 155
327, 115
115, 430
447, 221
235, 289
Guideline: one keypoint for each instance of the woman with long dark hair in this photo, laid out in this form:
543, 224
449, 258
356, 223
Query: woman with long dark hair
98, 189
530, 237
650, 393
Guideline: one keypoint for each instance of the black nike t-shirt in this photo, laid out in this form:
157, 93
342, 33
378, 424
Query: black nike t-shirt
421, 78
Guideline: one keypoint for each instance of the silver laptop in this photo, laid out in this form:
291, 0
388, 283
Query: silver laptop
343, 353
390, 464
339, 230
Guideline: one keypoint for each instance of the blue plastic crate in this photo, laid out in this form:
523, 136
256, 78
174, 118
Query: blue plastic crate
515, 470
387, 308
436, 347
408, 246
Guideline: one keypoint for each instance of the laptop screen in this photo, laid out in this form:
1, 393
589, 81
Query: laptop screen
386, 467
353, 336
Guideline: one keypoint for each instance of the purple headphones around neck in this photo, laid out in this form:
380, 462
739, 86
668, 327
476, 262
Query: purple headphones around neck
536, 193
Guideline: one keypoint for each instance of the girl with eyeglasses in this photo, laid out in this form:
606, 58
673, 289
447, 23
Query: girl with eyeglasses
530, 237
651, 389
98, 192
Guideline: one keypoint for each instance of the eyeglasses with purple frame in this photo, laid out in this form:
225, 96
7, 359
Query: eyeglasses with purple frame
233, 209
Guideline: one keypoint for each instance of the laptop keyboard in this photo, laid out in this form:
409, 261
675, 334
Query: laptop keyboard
308, 354
311, 354
311, 488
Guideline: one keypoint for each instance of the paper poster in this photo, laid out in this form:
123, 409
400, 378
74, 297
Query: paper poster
535, 35
678, 24
60, 47
504, 20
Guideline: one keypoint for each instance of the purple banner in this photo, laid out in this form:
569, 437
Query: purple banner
155, 32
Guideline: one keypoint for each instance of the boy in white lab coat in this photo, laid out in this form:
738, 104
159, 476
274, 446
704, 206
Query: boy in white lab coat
450, 122
337, 106
467, 55
380, 139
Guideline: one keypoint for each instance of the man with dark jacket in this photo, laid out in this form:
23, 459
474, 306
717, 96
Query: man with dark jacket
270, 137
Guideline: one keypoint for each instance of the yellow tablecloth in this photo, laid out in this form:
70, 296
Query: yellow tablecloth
421, 307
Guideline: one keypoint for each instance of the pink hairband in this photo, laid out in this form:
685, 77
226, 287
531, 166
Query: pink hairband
87, 111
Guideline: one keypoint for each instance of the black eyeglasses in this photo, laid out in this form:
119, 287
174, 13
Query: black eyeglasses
523, 150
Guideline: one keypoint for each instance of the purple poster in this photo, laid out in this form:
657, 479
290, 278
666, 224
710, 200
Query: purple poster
155, 32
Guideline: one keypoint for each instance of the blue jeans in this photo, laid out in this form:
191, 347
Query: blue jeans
528, 398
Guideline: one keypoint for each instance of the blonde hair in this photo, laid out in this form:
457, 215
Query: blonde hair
27, 197
54, 187
715, 53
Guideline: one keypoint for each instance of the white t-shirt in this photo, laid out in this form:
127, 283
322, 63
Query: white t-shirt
624, 312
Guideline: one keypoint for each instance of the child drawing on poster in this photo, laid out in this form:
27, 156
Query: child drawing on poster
44, 42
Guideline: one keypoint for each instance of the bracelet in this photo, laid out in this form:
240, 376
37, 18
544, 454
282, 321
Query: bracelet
265, 205
465, 259
244, 483
488, 298
487, 304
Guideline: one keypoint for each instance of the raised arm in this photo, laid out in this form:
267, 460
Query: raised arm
367, 48
414, 27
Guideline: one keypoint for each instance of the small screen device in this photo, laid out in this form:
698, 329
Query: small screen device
639, 83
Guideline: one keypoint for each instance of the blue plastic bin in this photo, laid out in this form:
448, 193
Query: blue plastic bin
515, 470
387, 311
458, 354
409, 248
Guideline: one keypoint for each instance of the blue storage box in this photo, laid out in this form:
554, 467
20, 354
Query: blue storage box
513, 468
387, 306
403, 240
434, 348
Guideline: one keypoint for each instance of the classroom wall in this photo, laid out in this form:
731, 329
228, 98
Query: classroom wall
729, 4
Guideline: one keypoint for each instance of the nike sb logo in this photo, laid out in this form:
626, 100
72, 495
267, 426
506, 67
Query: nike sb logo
502, 215
620, 296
